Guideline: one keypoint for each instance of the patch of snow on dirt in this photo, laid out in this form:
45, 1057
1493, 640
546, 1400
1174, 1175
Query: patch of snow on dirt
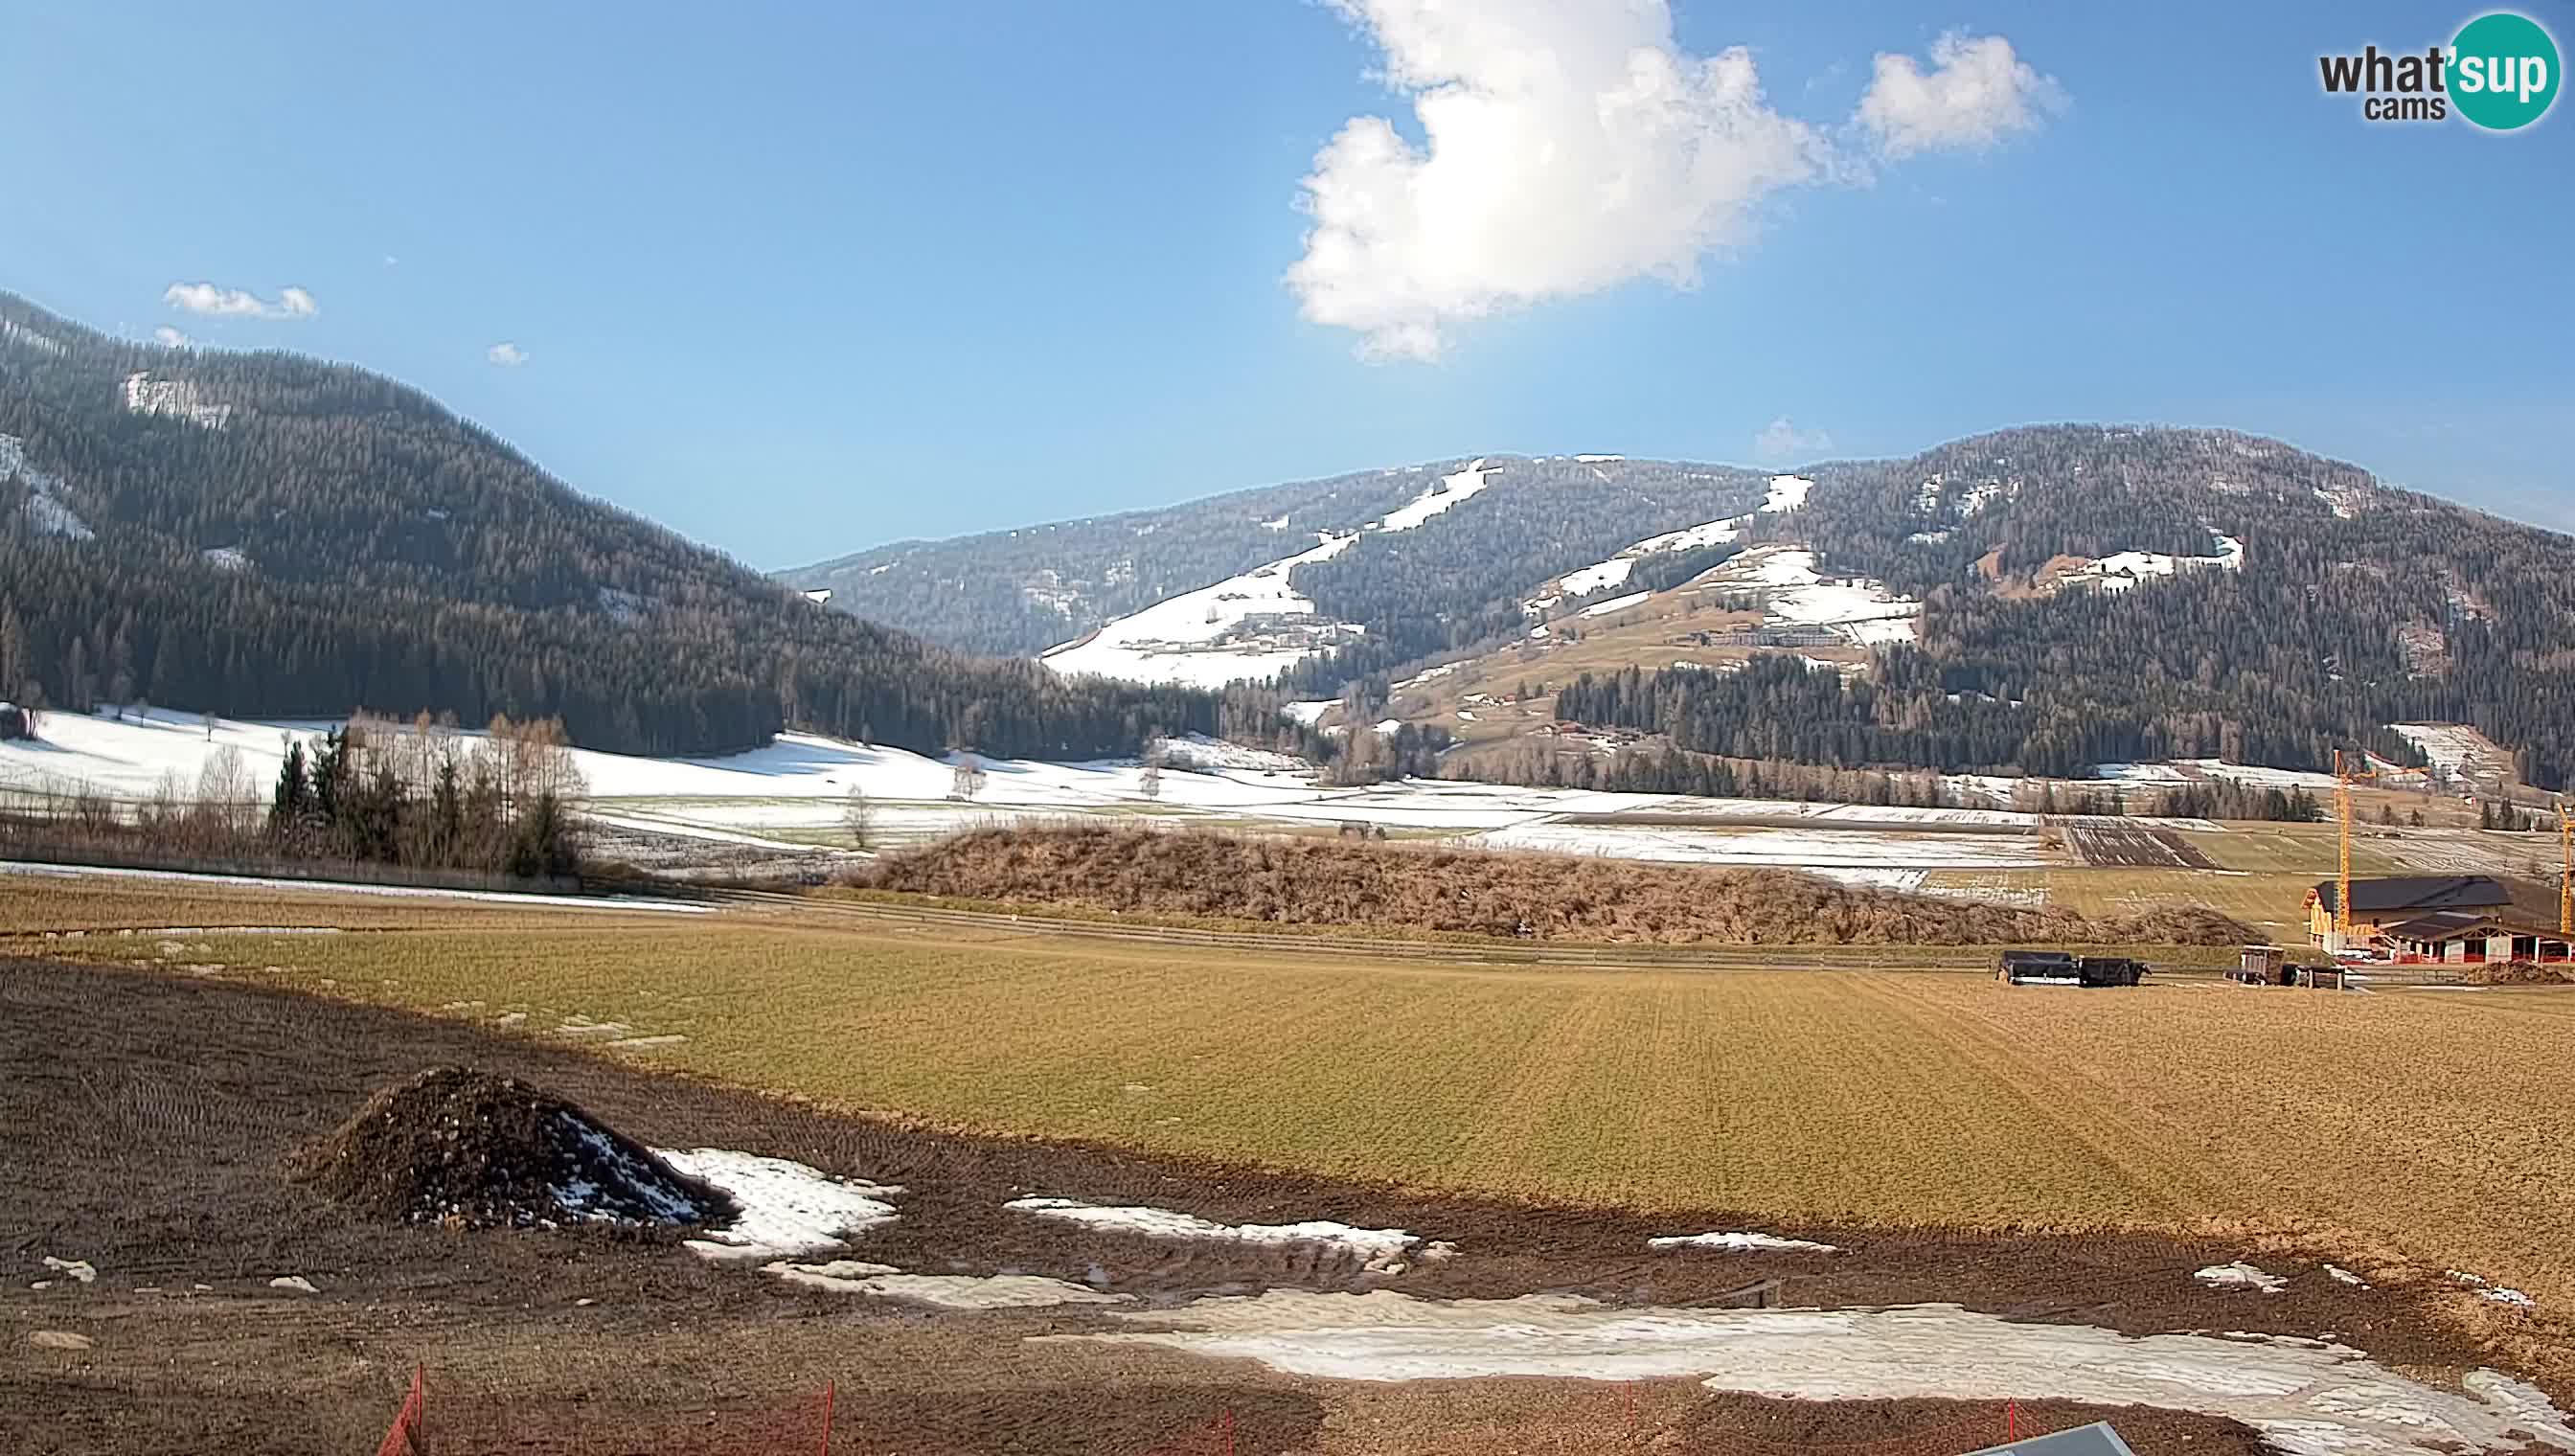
2342, 1275
786, 1208
79, 1270
2493, 1292
949, 1291
2308, 1398
2241, 1275
1451, 490
1741, 1243
1378, 1249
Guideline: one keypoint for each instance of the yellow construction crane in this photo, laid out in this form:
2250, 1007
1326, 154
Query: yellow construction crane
2344, 781
2565, 874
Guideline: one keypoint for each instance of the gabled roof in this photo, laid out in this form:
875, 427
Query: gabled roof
2416, 892
2440, 924
2096, 1439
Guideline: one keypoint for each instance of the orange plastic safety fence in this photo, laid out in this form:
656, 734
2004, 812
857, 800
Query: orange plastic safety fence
439, 1418
403, 1437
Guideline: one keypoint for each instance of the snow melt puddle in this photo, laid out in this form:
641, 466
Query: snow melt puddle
1741, 1243
786, 1207
1378, 1250
2241, 1275
951, 1291
2308, 1398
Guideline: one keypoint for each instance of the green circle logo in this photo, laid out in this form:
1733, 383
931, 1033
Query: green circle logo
2503, 71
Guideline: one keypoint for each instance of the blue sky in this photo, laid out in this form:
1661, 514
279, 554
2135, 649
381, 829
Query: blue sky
799, 279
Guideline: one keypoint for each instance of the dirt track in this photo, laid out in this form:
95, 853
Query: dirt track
159, 1107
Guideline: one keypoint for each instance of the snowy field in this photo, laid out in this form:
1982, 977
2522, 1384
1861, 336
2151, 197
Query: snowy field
1866, 611
2122, 570
801, 785
795, 793
1780, 848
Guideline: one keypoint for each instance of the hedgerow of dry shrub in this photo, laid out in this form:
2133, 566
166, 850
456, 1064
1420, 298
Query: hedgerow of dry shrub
1557, 897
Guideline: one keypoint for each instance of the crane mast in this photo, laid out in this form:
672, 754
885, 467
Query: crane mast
2344, 777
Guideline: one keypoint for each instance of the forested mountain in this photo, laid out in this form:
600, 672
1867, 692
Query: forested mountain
2036, 599
2341, 606
262, 534
1450, 578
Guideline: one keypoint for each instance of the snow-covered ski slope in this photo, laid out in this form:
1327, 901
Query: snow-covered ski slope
1248, 627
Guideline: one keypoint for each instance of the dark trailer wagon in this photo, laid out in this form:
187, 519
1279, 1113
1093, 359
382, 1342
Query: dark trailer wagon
2062, 968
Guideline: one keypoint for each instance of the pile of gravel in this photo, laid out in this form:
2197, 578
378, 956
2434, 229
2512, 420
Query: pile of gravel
466, 1149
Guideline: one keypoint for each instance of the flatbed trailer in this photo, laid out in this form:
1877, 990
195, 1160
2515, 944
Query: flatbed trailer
2063, 969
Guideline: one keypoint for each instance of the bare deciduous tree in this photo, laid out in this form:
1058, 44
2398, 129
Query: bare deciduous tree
857, 816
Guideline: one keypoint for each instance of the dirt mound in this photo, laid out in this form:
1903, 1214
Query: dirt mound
2517, 974
1516, 894
467, 1149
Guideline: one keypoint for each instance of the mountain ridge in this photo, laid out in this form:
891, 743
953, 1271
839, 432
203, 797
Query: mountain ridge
2275, 602
265, 533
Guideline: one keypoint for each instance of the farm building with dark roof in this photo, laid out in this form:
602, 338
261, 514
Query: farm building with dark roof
2453, 917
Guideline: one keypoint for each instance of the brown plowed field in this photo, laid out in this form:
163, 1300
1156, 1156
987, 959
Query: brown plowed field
2111, 845
147, 1114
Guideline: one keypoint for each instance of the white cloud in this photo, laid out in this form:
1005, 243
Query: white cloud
170, 337
1566, 148
391, 260
206, 298
1977, 93
1780, 440
505, 355
1570, 146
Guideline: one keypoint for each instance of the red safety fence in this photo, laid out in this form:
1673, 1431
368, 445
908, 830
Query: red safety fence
404, 1437
435, 1419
